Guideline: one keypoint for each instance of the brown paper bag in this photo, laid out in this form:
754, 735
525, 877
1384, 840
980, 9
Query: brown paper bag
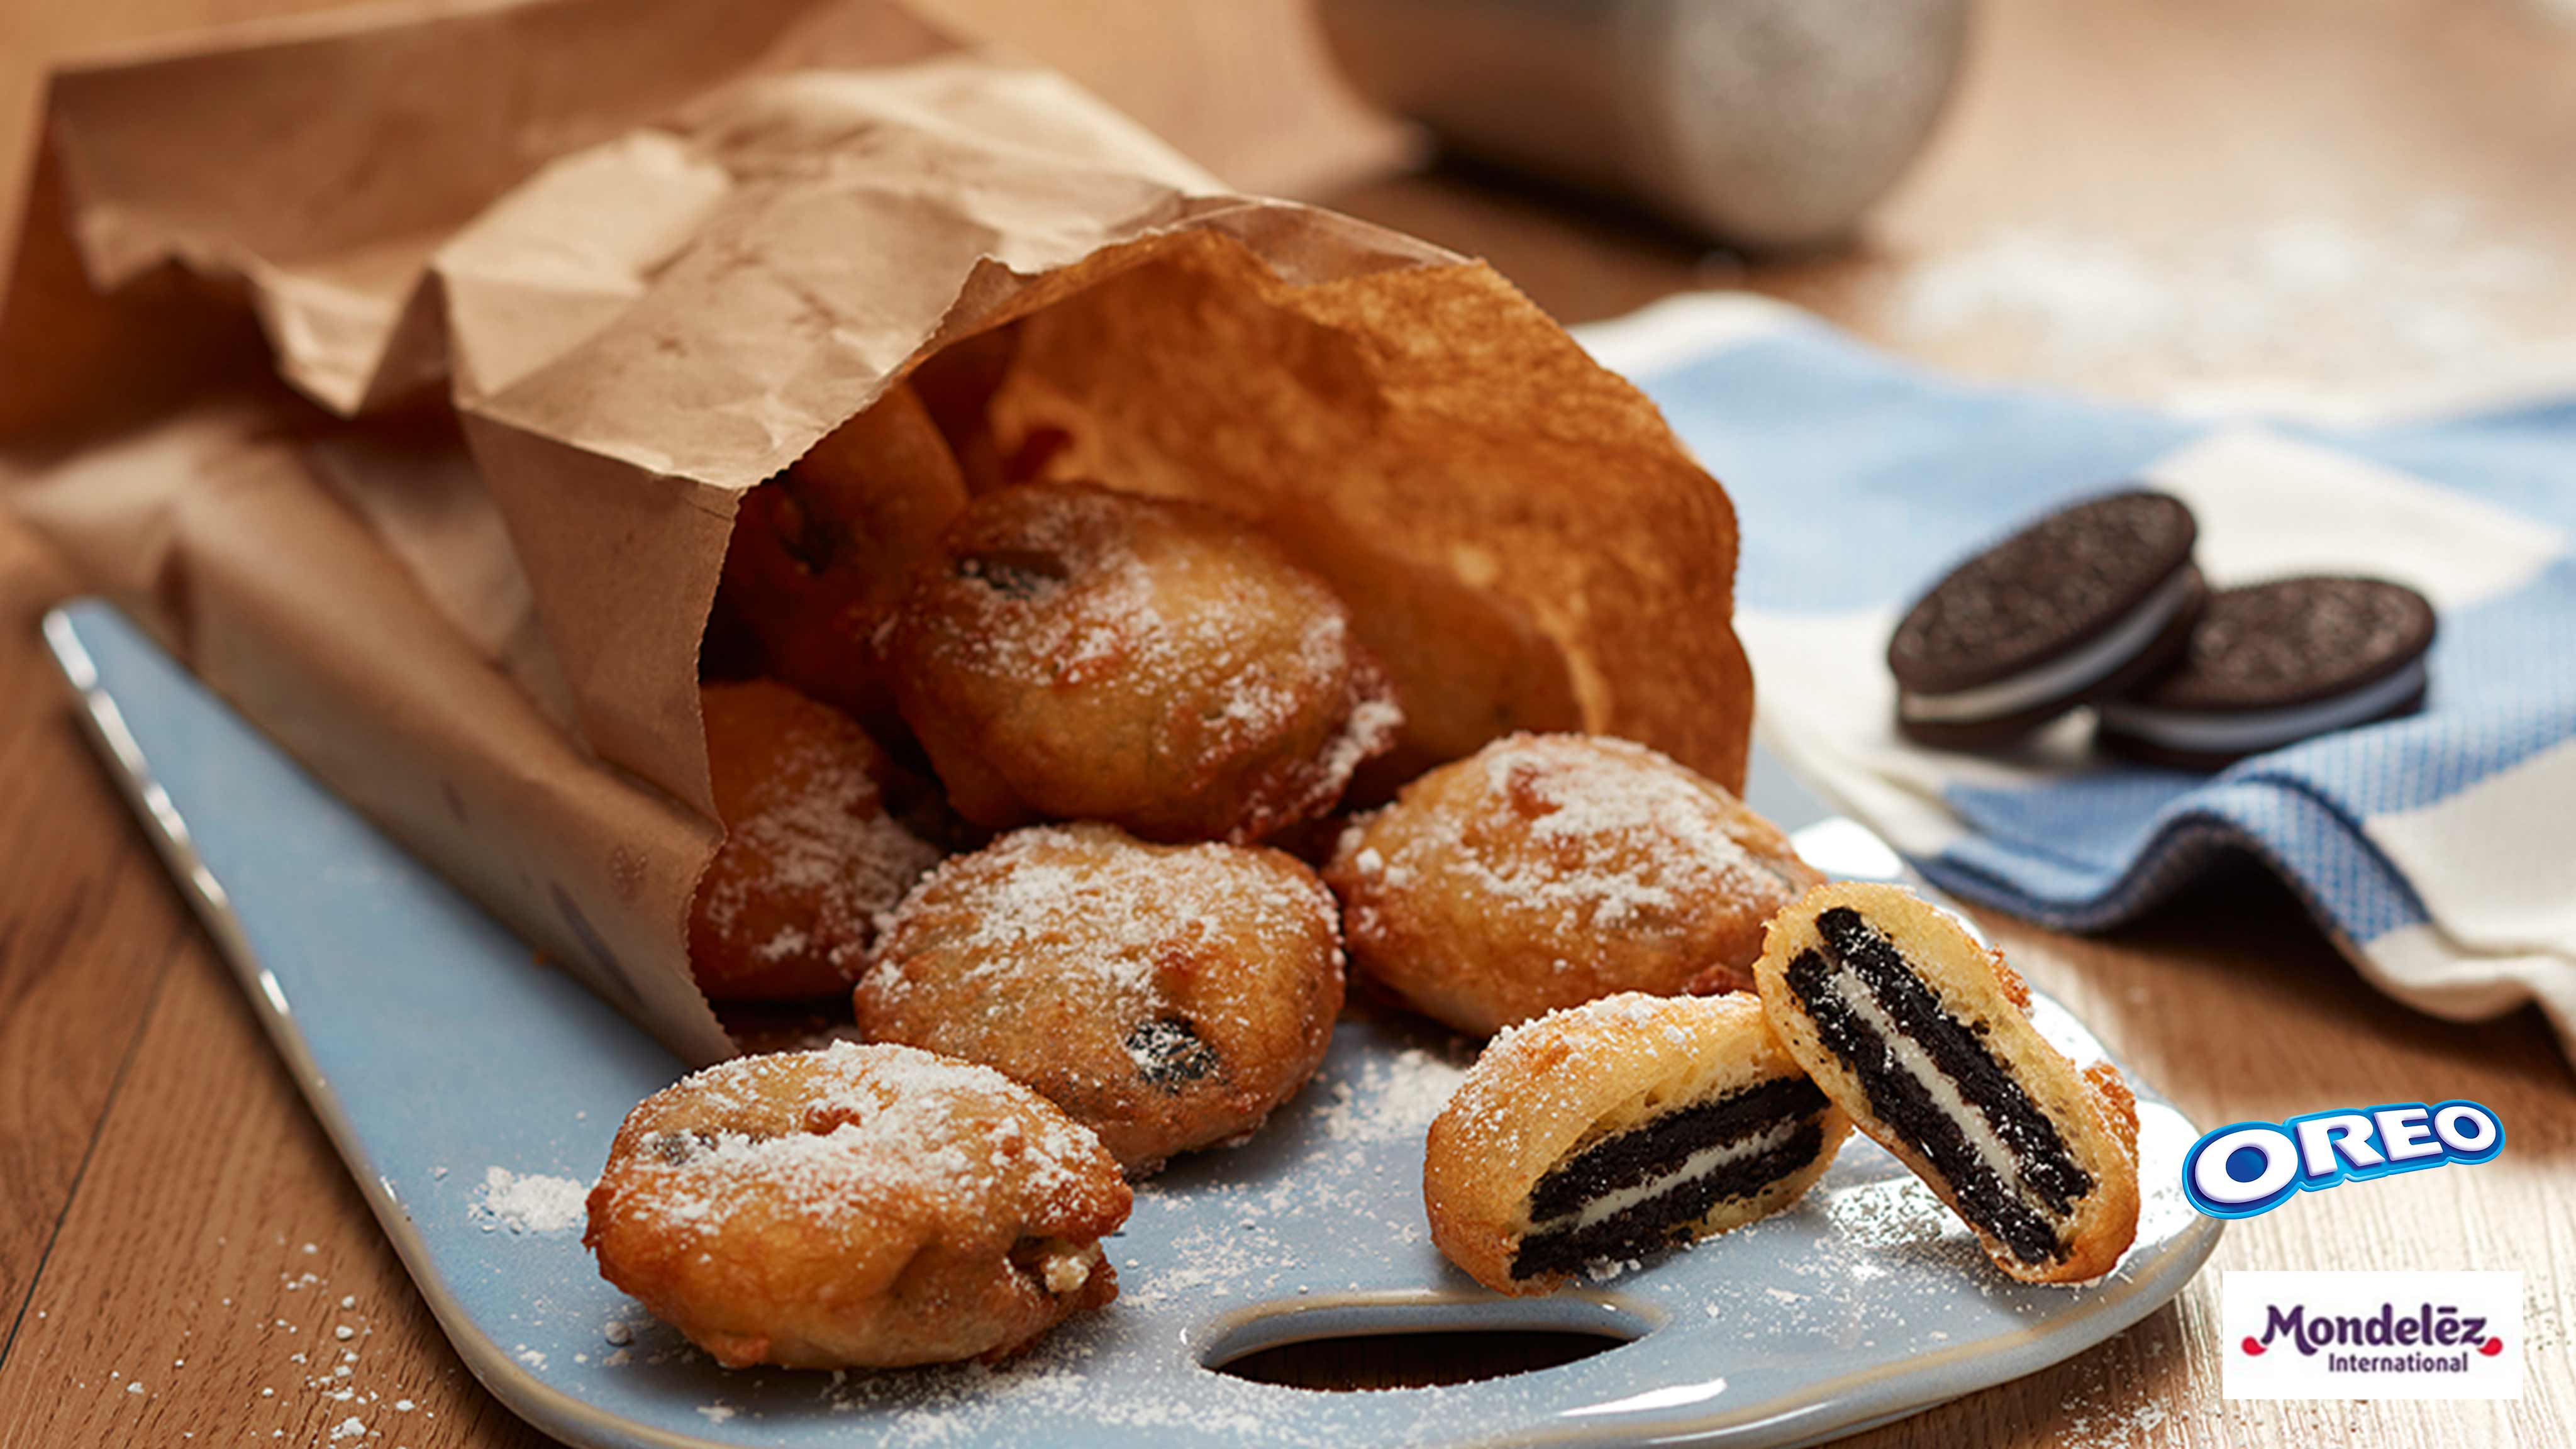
648, 325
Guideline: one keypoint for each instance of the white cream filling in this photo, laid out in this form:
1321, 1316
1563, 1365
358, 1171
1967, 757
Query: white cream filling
2058, 677
1065, 1267
1918, 1064
2263, 729
1706, 1160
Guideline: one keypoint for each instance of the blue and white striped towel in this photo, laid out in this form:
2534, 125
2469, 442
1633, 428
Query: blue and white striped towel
2438, 851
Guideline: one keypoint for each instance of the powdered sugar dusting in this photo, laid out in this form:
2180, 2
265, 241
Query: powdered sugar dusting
1392, 1097
530, 1202
1571, 834
1507, 1084
878, 1123
1626, 829
824, 840
1209, 647
1090, 601
1896, 1212
1113, 914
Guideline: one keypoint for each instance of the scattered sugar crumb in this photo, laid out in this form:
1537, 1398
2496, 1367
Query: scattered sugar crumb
1894, 1213
531, 1202
1390, 1097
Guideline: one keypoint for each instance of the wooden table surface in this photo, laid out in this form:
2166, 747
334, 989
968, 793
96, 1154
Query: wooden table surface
2129, 196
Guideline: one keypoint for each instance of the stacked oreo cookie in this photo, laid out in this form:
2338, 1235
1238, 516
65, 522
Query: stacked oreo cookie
2099, 604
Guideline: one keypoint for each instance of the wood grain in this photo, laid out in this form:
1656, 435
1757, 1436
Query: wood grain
88, 927
159, 1178
215, 1249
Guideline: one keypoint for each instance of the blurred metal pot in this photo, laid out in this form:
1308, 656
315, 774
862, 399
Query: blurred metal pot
1770, 124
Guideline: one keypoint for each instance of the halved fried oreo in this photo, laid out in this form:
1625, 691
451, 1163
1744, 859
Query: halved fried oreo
1610, 1130
1924, 1037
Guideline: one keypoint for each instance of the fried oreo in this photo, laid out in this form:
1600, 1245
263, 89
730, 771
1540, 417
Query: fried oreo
856, 1207
1619, 1128
810, 855
1168, 997
1547, 870
1073, 653
1925, 1038
2276, 663
2076, 607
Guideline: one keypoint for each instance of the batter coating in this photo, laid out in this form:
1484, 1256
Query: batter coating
820, 553
1618, 1128
810, 856
1074, 653
1547, 870
1924, 1037
856, 1207
1167, 997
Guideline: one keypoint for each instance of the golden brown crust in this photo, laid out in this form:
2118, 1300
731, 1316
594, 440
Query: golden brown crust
1075, 653
2119, 1100
858, 1206
2007, 980
1167, 997
2092, 1109
1544, 1091
1547, 870
787, 907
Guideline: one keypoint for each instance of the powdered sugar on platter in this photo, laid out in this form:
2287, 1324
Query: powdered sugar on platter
530, 1202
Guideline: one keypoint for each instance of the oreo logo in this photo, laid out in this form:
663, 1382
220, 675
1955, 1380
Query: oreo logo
2250, 1168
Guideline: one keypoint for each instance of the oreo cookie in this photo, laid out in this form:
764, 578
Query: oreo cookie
2272, 664
2079, 606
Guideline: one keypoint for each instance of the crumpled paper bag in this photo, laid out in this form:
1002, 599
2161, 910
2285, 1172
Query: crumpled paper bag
655, 259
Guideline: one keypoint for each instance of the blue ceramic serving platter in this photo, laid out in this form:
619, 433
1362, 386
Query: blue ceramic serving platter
472, 1093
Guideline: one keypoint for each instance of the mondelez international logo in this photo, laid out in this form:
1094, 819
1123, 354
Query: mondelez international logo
2357, 1335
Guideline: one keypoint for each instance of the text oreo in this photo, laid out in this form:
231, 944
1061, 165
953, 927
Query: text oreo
2248, 1168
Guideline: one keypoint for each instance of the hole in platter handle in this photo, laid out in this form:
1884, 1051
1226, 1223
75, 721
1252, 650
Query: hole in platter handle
1355, 1362
1417, 1341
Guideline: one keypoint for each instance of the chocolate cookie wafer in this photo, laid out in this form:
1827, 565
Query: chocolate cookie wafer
2272, 664
2078, 606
